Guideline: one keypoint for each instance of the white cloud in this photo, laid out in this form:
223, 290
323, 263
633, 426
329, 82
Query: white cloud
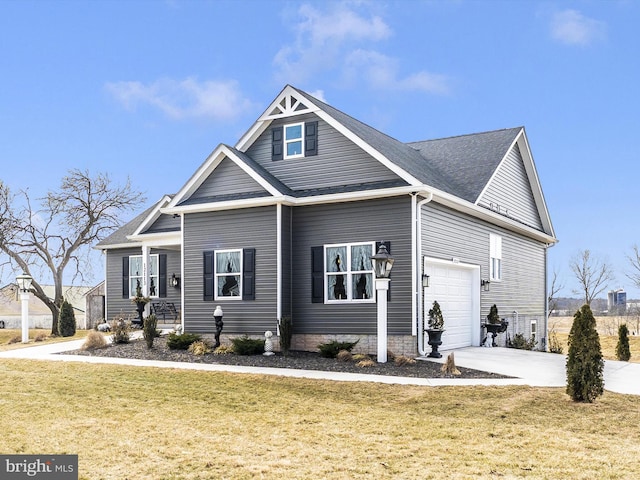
182, 99
382, 72
573, 28
339, 39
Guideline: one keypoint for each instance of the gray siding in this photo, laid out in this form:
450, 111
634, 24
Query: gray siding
339, 161
510, 191
378, 220
243, 228
116, 305
164, 223
287, 218
447, 234
227, 178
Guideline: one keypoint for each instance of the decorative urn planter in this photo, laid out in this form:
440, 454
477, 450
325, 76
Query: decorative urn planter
435, 340
435, 330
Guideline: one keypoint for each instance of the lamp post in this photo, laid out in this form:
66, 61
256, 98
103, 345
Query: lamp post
382, 263
24, 284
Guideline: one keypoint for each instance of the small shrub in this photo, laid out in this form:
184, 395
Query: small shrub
623, 353
521, 343
66, 320
286, 333
248, 346
149, 331
223, 350
401, 360
585, 366
41, 337
121, 329
366, 362
360, 356
554, 344
493, 316
181, 341
17, 339
331, 349
436, 320
200, 347
94, 341
344, 356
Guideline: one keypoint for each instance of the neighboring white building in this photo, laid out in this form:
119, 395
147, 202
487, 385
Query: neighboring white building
39, 314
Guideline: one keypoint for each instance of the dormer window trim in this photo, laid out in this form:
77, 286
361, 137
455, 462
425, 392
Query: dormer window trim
281, 138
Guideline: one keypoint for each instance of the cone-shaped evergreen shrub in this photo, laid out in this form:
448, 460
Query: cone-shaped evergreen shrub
149, 330
436, 320
622, 348
66, 321
585, 365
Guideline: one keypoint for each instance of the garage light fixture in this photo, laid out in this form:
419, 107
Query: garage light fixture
485, 285
425, 280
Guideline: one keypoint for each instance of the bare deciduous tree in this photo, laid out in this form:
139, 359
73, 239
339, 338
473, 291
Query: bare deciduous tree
80, 213
593, 275
634, 260
552, 293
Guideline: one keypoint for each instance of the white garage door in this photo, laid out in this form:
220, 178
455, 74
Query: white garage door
452, 285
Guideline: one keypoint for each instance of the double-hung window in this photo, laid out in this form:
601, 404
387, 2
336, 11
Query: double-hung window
228, 274
348, 272
294, 140
495, 257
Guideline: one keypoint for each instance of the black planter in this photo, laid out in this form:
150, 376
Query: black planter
140, 309
494, 329
435, 340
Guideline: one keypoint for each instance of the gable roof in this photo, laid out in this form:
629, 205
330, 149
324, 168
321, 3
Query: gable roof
468, 161
455, 170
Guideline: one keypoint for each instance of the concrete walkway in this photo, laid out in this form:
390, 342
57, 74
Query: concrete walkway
528, 368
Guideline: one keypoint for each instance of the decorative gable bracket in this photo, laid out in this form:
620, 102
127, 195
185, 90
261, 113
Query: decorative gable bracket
288, 103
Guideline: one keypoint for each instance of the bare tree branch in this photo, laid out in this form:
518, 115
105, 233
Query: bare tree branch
634, 260
552, 293
592, 274
80, 213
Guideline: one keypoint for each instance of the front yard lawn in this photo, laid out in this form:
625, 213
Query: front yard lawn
141, 423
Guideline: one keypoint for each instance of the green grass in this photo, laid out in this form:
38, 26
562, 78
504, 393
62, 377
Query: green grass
143, 423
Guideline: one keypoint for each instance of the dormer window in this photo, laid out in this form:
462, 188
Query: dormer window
294, 140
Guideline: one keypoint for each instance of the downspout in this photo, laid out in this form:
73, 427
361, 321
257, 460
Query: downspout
417, 269
278, 266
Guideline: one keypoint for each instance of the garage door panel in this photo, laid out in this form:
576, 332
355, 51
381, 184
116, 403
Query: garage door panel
452, 287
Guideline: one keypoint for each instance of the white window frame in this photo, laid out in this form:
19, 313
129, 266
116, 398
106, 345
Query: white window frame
152, 276
534, 330
286, 141
495, 257
221, 275
348, 273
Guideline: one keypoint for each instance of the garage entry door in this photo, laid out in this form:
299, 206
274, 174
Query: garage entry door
454, 287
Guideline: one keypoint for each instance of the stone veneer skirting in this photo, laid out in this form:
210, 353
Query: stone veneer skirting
398, 344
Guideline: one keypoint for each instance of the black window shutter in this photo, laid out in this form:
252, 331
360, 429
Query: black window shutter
162, 275
388, 245
310, 139
277, 143
208, 276
317, 275
125, 277
249, 274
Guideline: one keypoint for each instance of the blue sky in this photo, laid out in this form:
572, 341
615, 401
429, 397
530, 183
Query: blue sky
147, 89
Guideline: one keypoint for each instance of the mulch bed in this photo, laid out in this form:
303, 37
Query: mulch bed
137, 349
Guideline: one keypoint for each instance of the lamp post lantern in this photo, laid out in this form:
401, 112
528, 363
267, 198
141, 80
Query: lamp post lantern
382, 263
24, 284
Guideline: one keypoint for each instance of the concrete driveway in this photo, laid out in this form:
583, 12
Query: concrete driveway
542, 369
